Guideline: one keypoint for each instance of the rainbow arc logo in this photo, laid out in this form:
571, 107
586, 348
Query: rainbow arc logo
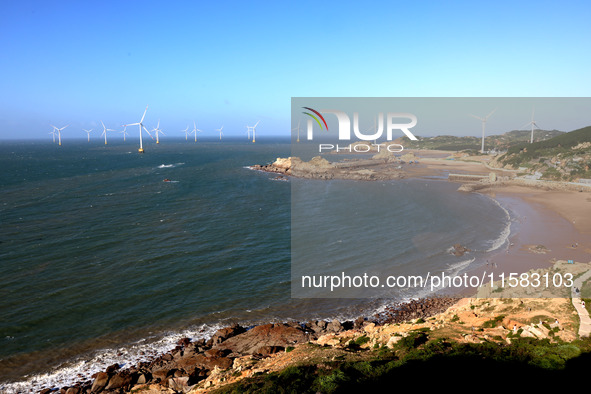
315, 118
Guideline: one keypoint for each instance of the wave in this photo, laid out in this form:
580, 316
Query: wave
502, 239
170, 165
82, 368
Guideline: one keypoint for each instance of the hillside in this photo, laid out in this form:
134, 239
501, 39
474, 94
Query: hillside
564, 157
497, 142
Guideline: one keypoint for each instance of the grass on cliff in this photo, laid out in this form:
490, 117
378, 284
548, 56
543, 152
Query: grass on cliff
429, 363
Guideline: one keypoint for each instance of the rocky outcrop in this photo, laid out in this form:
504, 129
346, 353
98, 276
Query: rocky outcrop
320, 168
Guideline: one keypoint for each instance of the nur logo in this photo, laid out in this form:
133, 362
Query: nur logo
344, 123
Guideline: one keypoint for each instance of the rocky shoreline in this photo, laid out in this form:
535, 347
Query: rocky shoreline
379, 167
183, 368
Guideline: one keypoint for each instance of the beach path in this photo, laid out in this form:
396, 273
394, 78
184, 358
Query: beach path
585, 325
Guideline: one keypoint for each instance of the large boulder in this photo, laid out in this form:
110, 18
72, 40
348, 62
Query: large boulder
264, 335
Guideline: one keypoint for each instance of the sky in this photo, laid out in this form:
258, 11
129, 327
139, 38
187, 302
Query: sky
234, 63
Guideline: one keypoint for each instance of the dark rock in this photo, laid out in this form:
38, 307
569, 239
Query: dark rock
184, 342
112, 368
224, 333
196, 376
101, 380
122, 380
73, 390
268, 350
334, 326
264, 335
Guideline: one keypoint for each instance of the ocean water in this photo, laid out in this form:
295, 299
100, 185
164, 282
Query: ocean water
101, 261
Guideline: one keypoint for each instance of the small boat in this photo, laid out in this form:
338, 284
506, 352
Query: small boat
166, 180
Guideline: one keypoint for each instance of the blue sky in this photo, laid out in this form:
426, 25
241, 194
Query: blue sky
234, 63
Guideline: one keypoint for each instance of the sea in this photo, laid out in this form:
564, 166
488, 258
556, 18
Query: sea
109, 256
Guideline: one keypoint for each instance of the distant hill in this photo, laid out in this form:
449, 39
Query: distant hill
497, 142
566, 156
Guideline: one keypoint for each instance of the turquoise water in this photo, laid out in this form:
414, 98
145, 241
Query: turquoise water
102, 260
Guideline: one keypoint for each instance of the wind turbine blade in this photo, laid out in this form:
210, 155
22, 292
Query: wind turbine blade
144, 115
534, 123
492, 112
477, 117
256, 124
147, 131
523, 127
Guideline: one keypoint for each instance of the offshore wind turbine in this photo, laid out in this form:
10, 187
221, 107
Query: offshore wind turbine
141, 126
157, 130
248, 132
186, 131
195, 130
88, 133
124, 132
532, 123
105, 132
53, 133
298, 129
220, 130
253, 131
483, 126
59, 133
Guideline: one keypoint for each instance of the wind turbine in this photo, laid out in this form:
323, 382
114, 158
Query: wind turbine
248, 132
157, 130
88, 133
253, 131
105, 132
186, 131
195, 130
124, 132
532, 123
298, 129
59, 133
141, 126
52, 132
483, 126
220, 130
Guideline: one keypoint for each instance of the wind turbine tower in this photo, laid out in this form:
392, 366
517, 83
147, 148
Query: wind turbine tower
157, 130
220, 130
88, 133
483, 126
105, 131
254, 130
195, 130
141, 126
533, 124
59, 133
124, 132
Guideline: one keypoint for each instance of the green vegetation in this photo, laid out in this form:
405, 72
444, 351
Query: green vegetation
472, 145
429, 363
564, 157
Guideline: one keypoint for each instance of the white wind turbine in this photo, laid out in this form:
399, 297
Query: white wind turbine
298, 129
248, 132
59, 133
533, 124
88, 133
253, 131
186, 131
105, 132
220, 130
141, 126
195, 130
124, 132
157, 130
483, 126
53, 133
